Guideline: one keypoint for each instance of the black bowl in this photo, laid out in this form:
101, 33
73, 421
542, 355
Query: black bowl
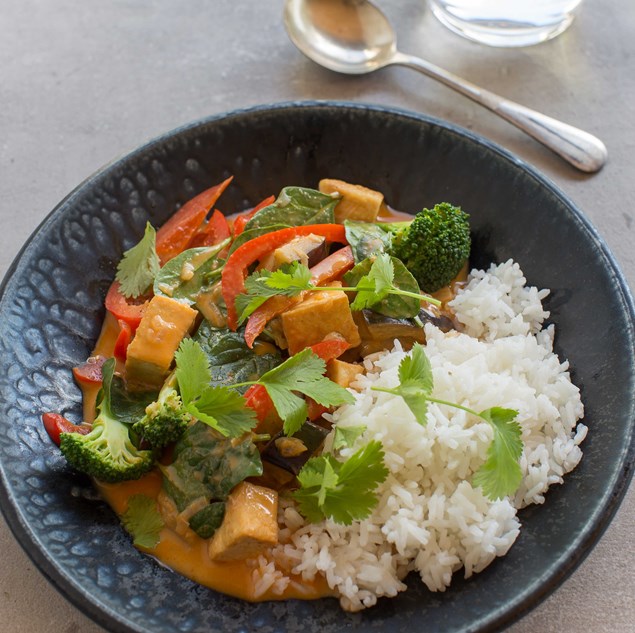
51, 309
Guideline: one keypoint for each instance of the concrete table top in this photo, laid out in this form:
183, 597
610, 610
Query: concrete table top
82, 83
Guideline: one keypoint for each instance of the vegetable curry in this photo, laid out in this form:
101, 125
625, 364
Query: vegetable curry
227, 341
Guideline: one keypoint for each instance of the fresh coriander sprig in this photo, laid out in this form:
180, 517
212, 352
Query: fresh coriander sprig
139, 265
295, 278
500, 475
224, 409
342, 491
143, 521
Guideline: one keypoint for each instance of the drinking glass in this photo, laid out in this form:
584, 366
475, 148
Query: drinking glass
506, 22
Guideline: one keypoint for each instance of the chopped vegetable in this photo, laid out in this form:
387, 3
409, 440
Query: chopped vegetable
107, 452
434, 245
175, 235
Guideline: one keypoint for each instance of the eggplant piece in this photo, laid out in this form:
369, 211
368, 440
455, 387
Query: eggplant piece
306, 249
310, 435
378, 332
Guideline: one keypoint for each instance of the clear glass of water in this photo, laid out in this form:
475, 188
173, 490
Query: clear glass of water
506, 22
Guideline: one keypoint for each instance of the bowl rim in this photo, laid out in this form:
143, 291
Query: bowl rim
101, 613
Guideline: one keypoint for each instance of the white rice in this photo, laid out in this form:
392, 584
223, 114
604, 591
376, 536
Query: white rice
429, 518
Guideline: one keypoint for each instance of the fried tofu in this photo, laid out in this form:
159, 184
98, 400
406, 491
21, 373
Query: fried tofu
341, 372
322, 313
162, 328
250, 525
304, 249
357, 203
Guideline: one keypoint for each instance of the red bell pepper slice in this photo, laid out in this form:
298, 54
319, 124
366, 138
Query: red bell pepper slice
89, 373
174, 236
56, 424
243, 218
124, 309
123, 340
328, 269
212, 232
235, 270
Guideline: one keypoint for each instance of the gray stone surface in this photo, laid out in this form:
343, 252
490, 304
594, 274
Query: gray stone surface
82, 83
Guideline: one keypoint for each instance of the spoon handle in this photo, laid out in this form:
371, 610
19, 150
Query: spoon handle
581, 149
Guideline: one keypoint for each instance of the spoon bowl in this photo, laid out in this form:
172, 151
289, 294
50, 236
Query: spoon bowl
351, 37
354, 37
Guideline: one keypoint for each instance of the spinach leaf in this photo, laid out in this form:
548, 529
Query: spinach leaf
201, 265
366, 239
229, 357
296, 206
250, 234
392, 305
206, 521
208, 466
129, 407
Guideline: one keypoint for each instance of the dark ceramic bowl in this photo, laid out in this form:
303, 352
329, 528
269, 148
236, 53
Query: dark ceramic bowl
51, 309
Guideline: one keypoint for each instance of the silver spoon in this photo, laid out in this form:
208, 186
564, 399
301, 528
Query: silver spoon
355, 37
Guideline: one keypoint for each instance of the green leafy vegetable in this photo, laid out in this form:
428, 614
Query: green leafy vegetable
296, 206
143, 521
224, 409
377, 282
500, 475
189, 273
206, 521
218, 407
367, 239
139, 265
230, 359
342, 491
302, 372
206, 467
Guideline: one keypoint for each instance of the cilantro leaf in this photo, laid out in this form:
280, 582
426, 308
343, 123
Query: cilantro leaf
143, 521
376, 285
192, 370
288, 280
304, 373
342, 491
139, 265
501, 475
415, 383
346, 435
224, 410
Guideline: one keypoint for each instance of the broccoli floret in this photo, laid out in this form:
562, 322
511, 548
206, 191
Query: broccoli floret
165, 419
433, 245
107, 453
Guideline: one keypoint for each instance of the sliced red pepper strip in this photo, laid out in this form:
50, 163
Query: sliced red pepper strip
235, 270
258, 399
123, 340
124, 309
212, 232
243, 218
328, 269
174, 236
89, 373
56, 424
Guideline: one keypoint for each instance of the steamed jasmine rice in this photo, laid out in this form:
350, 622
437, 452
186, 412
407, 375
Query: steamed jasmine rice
430, 520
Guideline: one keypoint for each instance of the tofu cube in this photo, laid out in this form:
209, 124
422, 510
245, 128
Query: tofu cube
341, 372
250, 525
306, 249
357, 203
150, 354
320, 314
